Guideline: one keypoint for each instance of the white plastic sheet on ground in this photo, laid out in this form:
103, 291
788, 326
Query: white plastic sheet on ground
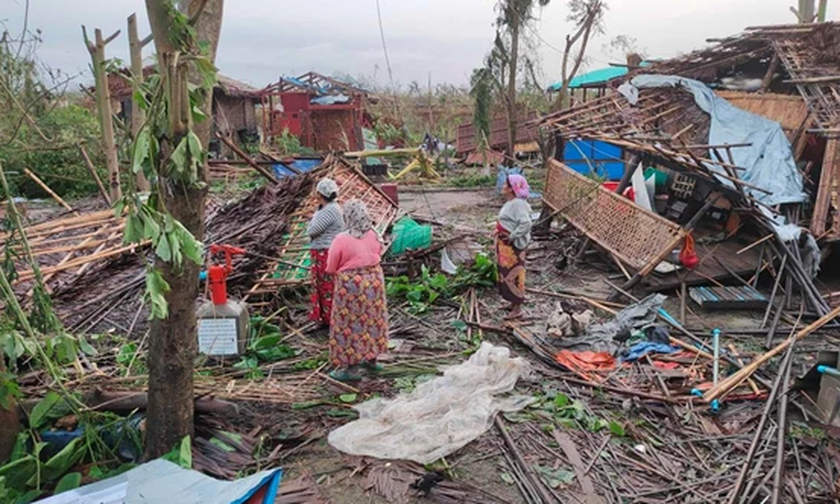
439, 416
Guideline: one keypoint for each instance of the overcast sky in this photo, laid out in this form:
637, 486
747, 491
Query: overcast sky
264, 39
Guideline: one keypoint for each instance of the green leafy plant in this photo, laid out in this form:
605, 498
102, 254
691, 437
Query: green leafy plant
422, 293
289, 145
476, 180
264, 346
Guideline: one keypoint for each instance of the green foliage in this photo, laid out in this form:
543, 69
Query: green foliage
181, 454
70, 481
561, 410
40, 129
476, 180
264, 346
424, 292
57, 160
481, 91
555, 477
289, 145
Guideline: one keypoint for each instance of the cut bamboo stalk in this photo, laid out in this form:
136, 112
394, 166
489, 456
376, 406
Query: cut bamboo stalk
49, 191
28, 274
92, 170
739, 377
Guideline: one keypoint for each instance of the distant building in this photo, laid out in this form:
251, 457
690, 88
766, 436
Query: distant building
234, 106
324, 113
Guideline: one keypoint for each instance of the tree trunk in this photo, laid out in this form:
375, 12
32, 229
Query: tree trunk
172, 342
9, 424
138, 115
516, 23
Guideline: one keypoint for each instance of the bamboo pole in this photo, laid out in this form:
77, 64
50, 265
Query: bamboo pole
49, 191
92, 170
28, 274
739, 377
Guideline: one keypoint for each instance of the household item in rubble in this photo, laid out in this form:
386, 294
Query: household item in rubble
392, 191
688, 255
222, 322
440, 416
610, 336
408, 234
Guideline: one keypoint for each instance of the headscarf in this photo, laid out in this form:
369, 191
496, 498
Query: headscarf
519, 186
357, 220
327, 188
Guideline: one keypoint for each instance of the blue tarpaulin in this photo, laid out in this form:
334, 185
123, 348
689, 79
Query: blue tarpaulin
330, 99
302, 165
768, 161
594, 77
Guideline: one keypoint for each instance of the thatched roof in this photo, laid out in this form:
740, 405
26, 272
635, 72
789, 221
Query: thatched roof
120, 86
235, 89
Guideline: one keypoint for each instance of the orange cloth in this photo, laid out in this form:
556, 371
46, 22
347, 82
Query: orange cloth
585, 361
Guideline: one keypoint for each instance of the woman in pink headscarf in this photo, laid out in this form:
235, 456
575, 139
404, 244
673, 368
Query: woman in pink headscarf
513, 234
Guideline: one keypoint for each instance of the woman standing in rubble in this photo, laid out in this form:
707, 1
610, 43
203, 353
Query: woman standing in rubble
513, 234
359, 330
324, 226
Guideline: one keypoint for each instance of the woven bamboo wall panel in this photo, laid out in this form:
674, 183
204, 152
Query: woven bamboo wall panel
633, 234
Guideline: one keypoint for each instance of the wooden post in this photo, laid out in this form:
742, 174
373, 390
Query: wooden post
827, 187
771, 70
103, 106
138, 115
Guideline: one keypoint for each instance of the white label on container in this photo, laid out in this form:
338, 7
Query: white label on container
217, 336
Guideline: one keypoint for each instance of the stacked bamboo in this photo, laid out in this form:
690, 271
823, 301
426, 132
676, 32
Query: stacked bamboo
67, 246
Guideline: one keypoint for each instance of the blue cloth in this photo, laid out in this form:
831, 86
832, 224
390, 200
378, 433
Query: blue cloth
768, 161
643, 348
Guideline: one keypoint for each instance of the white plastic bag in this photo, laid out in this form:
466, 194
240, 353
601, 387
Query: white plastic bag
439, 416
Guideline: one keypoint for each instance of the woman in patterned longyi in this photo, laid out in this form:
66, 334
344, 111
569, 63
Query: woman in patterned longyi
322, 230
359, 327
513, 234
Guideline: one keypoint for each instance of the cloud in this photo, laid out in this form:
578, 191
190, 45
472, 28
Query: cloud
262, 40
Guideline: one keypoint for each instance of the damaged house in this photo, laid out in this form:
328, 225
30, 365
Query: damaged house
324, 113
234, 107
729, 157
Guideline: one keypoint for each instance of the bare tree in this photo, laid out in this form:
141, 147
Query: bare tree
809, 12
182, 41
588, 17
514, 16
103, 106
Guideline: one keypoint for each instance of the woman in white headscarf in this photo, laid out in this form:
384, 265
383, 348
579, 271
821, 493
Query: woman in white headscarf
359, 330
324, 226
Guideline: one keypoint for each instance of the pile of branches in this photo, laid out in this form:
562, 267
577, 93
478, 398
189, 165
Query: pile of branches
257, 223
109, 296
